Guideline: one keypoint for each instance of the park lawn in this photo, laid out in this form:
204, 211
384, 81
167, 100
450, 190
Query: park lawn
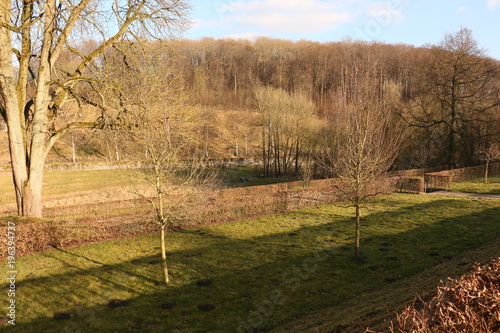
478, 186
286, 272
66, 182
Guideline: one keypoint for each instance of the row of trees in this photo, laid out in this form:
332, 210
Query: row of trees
375, 114
449, 93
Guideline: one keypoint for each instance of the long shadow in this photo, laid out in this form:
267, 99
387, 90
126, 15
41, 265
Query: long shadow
262, 282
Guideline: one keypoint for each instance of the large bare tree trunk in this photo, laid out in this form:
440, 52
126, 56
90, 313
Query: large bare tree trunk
13, 111
17, 156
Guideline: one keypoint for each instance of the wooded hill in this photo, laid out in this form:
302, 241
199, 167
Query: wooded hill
444, 98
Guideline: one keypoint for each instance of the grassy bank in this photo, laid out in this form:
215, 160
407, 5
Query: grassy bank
68, 182
289, 272
478, 186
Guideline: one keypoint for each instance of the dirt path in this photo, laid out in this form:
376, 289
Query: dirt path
468, 195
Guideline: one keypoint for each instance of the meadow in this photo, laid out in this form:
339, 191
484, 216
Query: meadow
478, 186
290, 272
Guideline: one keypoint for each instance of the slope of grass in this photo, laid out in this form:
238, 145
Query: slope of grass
288, 272
478, 186
66, 182
57, 183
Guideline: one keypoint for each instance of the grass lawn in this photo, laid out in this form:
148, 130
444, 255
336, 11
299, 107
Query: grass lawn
289, 272
477, 186
65, 182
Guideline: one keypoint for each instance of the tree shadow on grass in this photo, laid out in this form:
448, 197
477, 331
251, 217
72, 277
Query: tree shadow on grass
262, 282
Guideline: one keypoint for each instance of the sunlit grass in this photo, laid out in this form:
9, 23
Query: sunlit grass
268, 273
478, 186
59, 183
66, 182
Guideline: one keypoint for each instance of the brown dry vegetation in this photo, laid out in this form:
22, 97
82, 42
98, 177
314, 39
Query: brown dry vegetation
470, 304
222, 77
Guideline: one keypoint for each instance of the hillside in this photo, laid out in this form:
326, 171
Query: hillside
221, 134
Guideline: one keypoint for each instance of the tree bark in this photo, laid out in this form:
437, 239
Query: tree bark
357, 236
486, 169
164, 255
13, 110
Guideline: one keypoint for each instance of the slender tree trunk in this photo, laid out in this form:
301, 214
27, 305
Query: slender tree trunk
162, 221
486, 169
357, 236
164, 254
117, 152
73, 154
236, 144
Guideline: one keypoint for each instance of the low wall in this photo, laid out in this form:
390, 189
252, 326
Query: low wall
223, 162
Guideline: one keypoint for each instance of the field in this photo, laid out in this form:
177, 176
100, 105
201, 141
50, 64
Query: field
82, 187
477, 186
289, 272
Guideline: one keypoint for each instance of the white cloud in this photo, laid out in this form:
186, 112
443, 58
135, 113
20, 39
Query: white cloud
196, 23
251, 36
286, 15
493, 3
462, 9
388, 12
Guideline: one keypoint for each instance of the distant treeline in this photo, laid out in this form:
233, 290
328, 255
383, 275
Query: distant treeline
446, 97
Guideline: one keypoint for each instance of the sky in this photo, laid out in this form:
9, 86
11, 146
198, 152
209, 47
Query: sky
414, 22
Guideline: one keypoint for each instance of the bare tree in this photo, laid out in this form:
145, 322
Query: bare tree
457, 95
488, 155
367, 135
161, 129
289, 129
171, 180
34, 88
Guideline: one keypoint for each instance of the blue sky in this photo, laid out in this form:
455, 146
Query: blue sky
414, 22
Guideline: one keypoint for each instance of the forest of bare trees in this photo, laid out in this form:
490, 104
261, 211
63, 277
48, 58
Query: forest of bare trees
282, 101
276, 99
446, 96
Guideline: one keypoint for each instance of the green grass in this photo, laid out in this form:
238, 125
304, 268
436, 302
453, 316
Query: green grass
289, 272
66, 182
478, 186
